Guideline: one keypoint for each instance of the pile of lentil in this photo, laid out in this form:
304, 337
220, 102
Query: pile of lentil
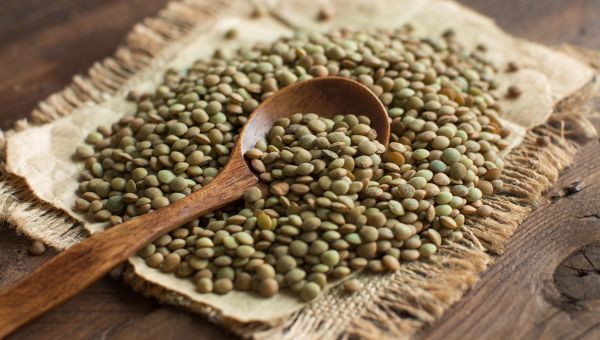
338, 201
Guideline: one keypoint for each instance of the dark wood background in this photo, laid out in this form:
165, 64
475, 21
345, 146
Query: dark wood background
546, 285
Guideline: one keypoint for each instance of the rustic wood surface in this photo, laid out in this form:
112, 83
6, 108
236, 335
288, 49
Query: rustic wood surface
546, 285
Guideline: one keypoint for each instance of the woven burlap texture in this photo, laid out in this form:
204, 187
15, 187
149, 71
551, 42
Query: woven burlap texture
391, 305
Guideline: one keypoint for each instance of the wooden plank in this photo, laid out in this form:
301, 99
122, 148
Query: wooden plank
44, 43
169, 323
552, 22
105, 304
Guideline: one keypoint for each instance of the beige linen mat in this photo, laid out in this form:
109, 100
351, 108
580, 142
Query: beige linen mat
39, 179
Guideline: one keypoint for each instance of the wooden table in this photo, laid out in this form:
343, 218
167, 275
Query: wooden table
527, 294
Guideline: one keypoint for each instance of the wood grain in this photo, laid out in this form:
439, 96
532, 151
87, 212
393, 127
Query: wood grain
44, 43
552, 22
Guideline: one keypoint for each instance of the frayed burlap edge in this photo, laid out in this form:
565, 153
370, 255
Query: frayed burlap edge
390, 305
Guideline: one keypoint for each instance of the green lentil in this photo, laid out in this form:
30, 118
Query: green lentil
330, 258
223, 286
252, 194
204, 285
427, 249
166, 176
268, 287
310, 291
451, 156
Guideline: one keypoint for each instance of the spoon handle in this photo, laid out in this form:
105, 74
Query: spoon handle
78, 267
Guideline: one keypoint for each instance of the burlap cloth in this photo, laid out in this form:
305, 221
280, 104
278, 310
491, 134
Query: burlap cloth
39, 177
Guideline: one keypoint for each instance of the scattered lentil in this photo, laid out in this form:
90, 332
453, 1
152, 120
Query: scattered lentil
352, 286
37, 248
512, 66
325, 13
514, 92
231, 33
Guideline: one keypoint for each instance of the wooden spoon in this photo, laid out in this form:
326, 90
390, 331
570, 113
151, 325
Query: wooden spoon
78, 267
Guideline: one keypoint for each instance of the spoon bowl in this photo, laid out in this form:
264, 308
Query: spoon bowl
84, 263
327, 96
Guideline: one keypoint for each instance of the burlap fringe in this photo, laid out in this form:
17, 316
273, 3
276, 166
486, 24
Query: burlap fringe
391, 305
34, 219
